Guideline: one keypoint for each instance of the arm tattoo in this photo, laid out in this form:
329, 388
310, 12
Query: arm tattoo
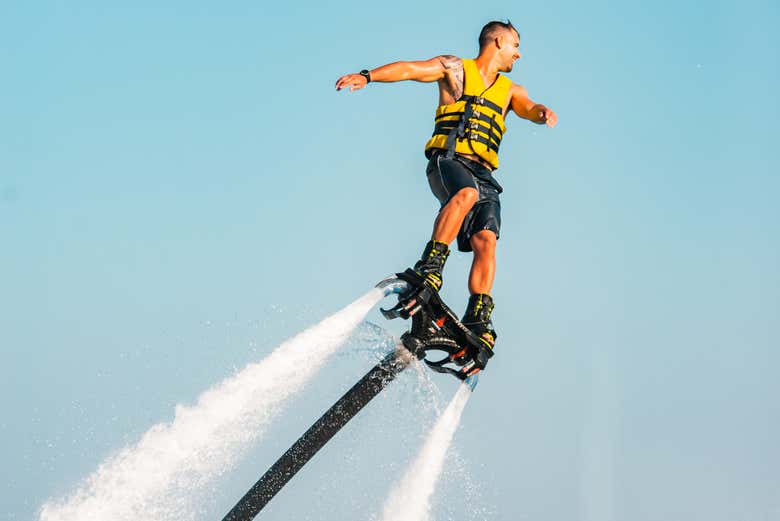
454, 67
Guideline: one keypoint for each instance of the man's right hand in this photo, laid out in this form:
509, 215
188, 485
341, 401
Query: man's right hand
353, 81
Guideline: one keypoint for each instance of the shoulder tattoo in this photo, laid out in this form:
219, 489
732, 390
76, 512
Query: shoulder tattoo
454, 68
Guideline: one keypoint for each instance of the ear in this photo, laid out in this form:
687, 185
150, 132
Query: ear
500, 40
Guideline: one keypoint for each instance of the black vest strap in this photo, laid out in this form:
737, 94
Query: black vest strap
444, 127
475, 115
457, 131
476, 100
467, 126
472, 136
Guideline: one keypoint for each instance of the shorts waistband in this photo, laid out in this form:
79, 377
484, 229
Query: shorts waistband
460, 157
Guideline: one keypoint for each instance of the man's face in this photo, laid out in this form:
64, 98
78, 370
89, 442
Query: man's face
510, 49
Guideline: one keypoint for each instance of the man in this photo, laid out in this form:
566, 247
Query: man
474, 99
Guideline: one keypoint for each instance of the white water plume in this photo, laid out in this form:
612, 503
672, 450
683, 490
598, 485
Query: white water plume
159, 478
411, 497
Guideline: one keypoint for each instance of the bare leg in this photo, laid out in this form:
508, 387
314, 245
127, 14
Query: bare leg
483, 267
450, 218
445, 229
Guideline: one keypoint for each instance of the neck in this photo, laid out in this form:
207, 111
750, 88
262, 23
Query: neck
487, 66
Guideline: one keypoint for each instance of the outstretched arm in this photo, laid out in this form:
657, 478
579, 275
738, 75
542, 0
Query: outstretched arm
524, 107
424, 71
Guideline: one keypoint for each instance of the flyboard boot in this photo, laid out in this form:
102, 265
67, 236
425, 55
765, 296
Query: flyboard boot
435, 327
431, 263
423, 281
477, 318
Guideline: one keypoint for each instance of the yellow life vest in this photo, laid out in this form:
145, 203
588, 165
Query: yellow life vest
475, 123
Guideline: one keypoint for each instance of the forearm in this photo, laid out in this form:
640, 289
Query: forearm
425, 71
391, 72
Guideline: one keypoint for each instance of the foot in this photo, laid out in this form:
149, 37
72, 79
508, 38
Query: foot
484, 332
432, 279
477, 318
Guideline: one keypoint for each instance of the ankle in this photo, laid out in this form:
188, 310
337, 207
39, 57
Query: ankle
431, 263
479, 308
477, 318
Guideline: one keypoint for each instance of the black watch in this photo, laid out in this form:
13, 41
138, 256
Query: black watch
366, 75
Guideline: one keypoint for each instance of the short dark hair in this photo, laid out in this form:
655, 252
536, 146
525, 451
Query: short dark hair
491, 31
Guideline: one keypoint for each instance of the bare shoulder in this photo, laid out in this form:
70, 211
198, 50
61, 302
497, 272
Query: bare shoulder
451, 85
450, 62
518, 91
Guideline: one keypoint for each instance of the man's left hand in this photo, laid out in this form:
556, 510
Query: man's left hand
550, 118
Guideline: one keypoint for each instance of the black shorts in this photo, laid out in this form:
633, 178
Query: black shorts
447, 176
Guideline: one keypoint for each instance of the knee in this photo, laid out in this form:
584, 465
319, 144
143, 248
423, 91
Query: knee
484, 243
465, 197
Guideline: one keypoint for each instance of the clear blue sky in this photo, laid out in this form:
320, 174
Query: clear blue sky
181, 188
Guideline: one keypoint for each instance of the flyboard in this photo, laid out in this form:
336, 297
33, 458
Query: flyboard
434, 328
